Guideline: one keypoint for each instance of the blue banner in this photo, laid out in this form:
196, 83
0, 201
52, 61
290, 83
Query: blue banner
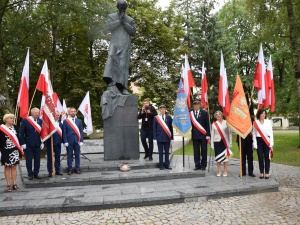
181, 120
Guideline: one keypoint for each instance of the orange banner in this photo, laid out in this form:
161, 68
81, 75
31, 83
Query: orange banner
239, 117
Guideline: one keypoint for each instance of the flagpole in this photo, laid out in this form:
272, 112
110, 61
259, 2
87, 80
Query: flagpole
52, 156
240, 147
16, 114
183, 151
31, 101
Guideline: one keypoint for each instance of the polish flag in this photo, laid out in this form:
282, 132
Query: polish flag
44, 85
64, 113
204, 88
259, 78
57, 103
23, 95
188, 81
271, 88
85, 109
223, 97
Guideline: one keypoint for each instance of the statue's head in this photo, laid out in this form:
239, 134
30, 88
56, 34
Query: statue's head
122, 4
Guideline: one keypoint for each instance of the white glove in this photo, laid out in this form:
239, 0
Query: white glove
172, 142
42, 145
81, 144
66, 144
155, 142
212, 147
255, 146
230, 146
24, 146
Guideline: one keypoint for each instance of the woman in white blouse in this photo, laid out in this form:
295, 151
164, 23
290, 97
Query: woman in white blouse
221, 141
263, 141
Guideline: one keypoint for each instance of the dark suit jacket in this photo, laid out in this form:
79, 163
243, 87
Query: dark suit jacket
69, 135
57, 140
204, 121
28, 135
147, 125
158, 132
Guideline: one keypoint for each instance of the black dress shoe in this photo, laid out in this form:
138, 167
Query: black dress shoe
168, 167
150, 159
146, 156
196, 168
243, 174
30, 177
37, 177
50, 175
251, 174
59, 173
203, 168
161, 168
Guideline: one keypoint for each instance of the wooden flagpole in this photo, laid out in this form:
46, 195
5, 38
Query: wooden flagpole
31, 101
52, 156
240, 147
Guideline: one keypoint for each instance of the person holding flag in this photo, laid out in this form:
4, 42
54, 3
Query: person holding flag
30, 139
221, 142
57, 140
200, 135
11, 150
263, 141
163, 136
73, 139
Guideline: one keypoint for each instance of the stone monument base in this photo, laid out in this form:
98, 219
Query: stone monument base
121, 132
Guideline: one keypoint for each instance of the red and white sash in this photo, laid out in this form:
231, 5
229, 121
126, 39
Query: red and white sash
59, 131
35, 125
223, 137
164, 126
12, 136
264, 137
74, 127
197, 124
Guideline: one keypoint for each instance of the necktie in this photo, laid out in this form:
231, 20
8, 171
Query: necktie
197, 114
164, 117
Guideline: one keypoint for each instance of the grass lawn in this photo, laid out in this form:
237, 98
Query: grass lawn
286, 149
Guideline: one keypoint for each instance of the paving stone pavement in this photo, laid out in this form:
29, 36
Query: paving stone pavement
281, 207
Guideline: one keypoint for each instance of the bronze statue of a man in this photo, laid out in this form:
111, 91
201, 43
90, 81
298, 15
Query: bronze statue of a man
122, 27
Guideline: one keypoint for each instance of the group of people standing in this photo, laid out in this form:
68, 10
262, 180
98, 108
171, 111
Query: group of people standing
14, 143
158, 129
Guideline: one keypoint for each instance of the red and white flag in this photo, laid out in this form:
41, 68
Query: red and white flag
204, 88
57, 103
223, 97
259, 78
188, 81
43, 85
85, 109
64, 112
271, 88
23, 95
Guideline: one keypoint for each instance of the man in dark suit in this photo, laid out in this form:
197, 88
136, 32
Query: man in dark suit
200, 135
31, 142
73, 139
163, 135
147, 114
57, 140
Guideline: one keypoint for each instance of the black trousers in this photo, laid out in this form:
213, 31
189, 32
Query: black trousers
200, 162
144, 135
247, 155
263, 156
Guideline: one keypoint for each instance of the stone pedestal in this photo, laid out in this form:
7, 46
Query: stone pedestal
121, 132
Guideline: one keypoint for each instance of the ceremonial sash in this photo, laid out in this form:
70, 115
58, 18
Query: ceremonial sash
73, 126
223, 137
164, 126
12, 136
35, 125
197, 124
264, 137
59, 131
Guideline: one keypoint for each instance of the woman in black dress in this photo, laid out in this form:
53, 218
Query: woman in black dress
10, 151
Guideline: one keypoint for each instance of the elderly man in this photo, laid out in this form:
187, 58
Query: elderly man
30, 140
121, 27
57, 140
73, 139
200, 135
